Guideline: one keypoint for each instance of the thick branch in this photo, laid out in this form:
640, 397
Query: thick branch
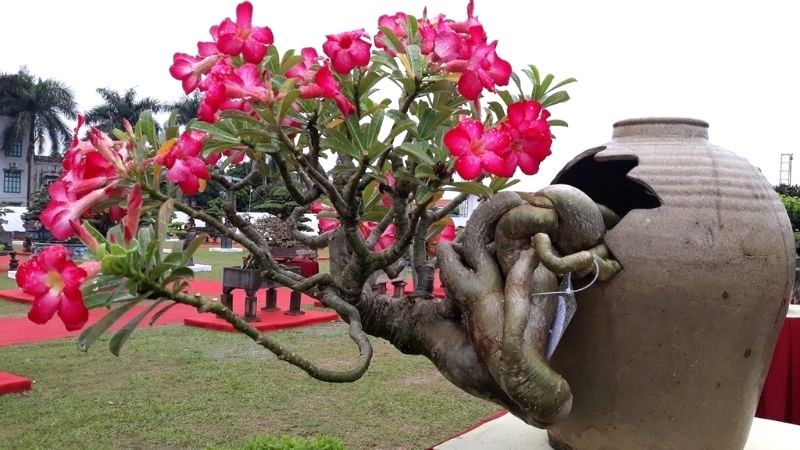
263, 339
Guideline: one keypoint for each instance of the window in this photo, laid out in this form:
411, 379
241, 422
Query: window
15, 149
12, 181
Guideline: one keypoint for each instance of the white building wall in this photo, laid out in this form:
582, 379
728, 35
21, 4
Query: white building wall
11, 166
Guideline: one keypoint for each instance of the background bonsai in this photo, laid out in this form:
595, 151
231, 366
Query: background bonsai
392, 160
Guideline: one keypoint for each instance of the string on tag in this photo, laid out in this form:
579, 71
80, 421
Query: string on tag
569, 291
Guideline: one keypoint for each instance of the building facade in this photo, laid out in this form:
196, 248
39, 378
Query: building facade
14, 166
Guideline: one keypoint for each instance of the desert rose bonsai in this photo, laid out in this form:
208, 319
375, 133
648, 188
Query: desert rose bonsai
373, 167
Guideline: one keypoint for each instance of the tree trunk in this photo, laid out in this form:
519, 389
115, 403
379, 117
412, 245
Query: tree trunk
30, 156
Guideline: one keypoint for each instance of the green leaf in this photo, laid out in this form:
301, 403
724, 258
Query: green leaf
103, 295
373, 128
498, 110
121, 336
563, 83
357, 137
338, 142
557, 123
418, 151
412, 28
518, 83
286, 102
507, 98
417, 61
391, 40
161, 312
290, 61
89, 335
192, 247
147, 127
216, 132
179, 273
473, 188
555, 98
542, 88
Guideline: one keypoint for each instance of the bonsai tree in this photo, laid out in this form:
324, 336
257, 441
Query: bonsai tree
392, 160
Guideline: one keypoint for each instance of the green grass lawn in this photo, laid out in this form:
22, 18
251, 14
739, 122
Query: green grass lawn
178, 387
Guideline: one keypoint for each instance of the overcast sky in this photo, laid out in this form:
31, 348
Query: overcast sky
734, 64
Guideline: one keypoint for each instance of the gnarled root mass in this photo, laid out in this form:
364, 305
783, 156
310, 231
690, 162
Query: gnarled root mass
489, 336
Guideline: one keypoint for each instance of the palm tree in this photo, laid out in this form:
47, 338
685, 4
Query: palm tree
120, 105
37, 107
185, 108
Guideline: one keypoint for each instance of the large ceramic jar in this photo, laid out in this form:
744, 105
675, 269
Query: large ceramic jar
673, 352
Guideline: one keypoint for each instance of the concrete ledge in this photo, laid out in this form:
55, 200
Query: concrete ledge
510, 433
226, 250
201, 268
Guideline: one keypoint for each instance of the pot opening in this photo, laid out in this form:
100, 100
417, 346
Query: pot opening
607, 182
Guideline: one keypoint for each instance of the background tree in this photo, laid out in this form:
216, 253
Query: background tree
39, 108
185, 108
117, 106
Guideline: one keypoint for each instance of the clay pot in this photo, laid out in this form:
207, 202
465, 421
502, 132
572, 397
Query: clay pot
673, 352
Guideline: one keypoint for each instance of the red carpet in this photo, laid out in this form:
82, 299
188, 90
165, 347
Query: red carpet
267, 321
21, 257
19, 330
10, 383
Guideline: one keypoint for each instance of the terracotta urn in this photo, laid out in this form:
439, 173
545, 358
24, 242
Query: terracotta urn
672, 353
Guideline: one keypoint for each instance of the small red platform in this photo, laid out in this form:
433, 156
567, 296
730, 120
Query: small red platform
10, 383
267, 321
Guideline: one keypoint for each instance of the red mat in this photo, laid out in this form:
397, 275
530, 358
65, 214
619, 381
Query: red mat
19, 330
267, 321
21, 257
10, 383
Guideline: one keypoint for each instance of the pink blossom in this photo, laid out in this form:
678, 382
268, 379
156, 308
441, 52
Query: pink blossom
184, 164
189, 69
526, 124
316, 207
233, 38
325, 86
302, 70
395, 23
386, 239
326, 225
484, 70
87, 238
66, 206
447, 234
348, 50
54, 281
386, 195
134, 212
477, 149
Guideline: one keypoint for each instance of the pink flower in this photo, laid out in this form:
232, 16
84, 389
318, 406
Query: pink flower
233, 38
447, 234
134, 211
325, 86
184, 163
65, 206
302, 70
386, 194
386, 239
476, 149
394, 23
189, 68
316, 207
54, 281
348, 50
326, 225
526, 124
87, 238
483, 70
